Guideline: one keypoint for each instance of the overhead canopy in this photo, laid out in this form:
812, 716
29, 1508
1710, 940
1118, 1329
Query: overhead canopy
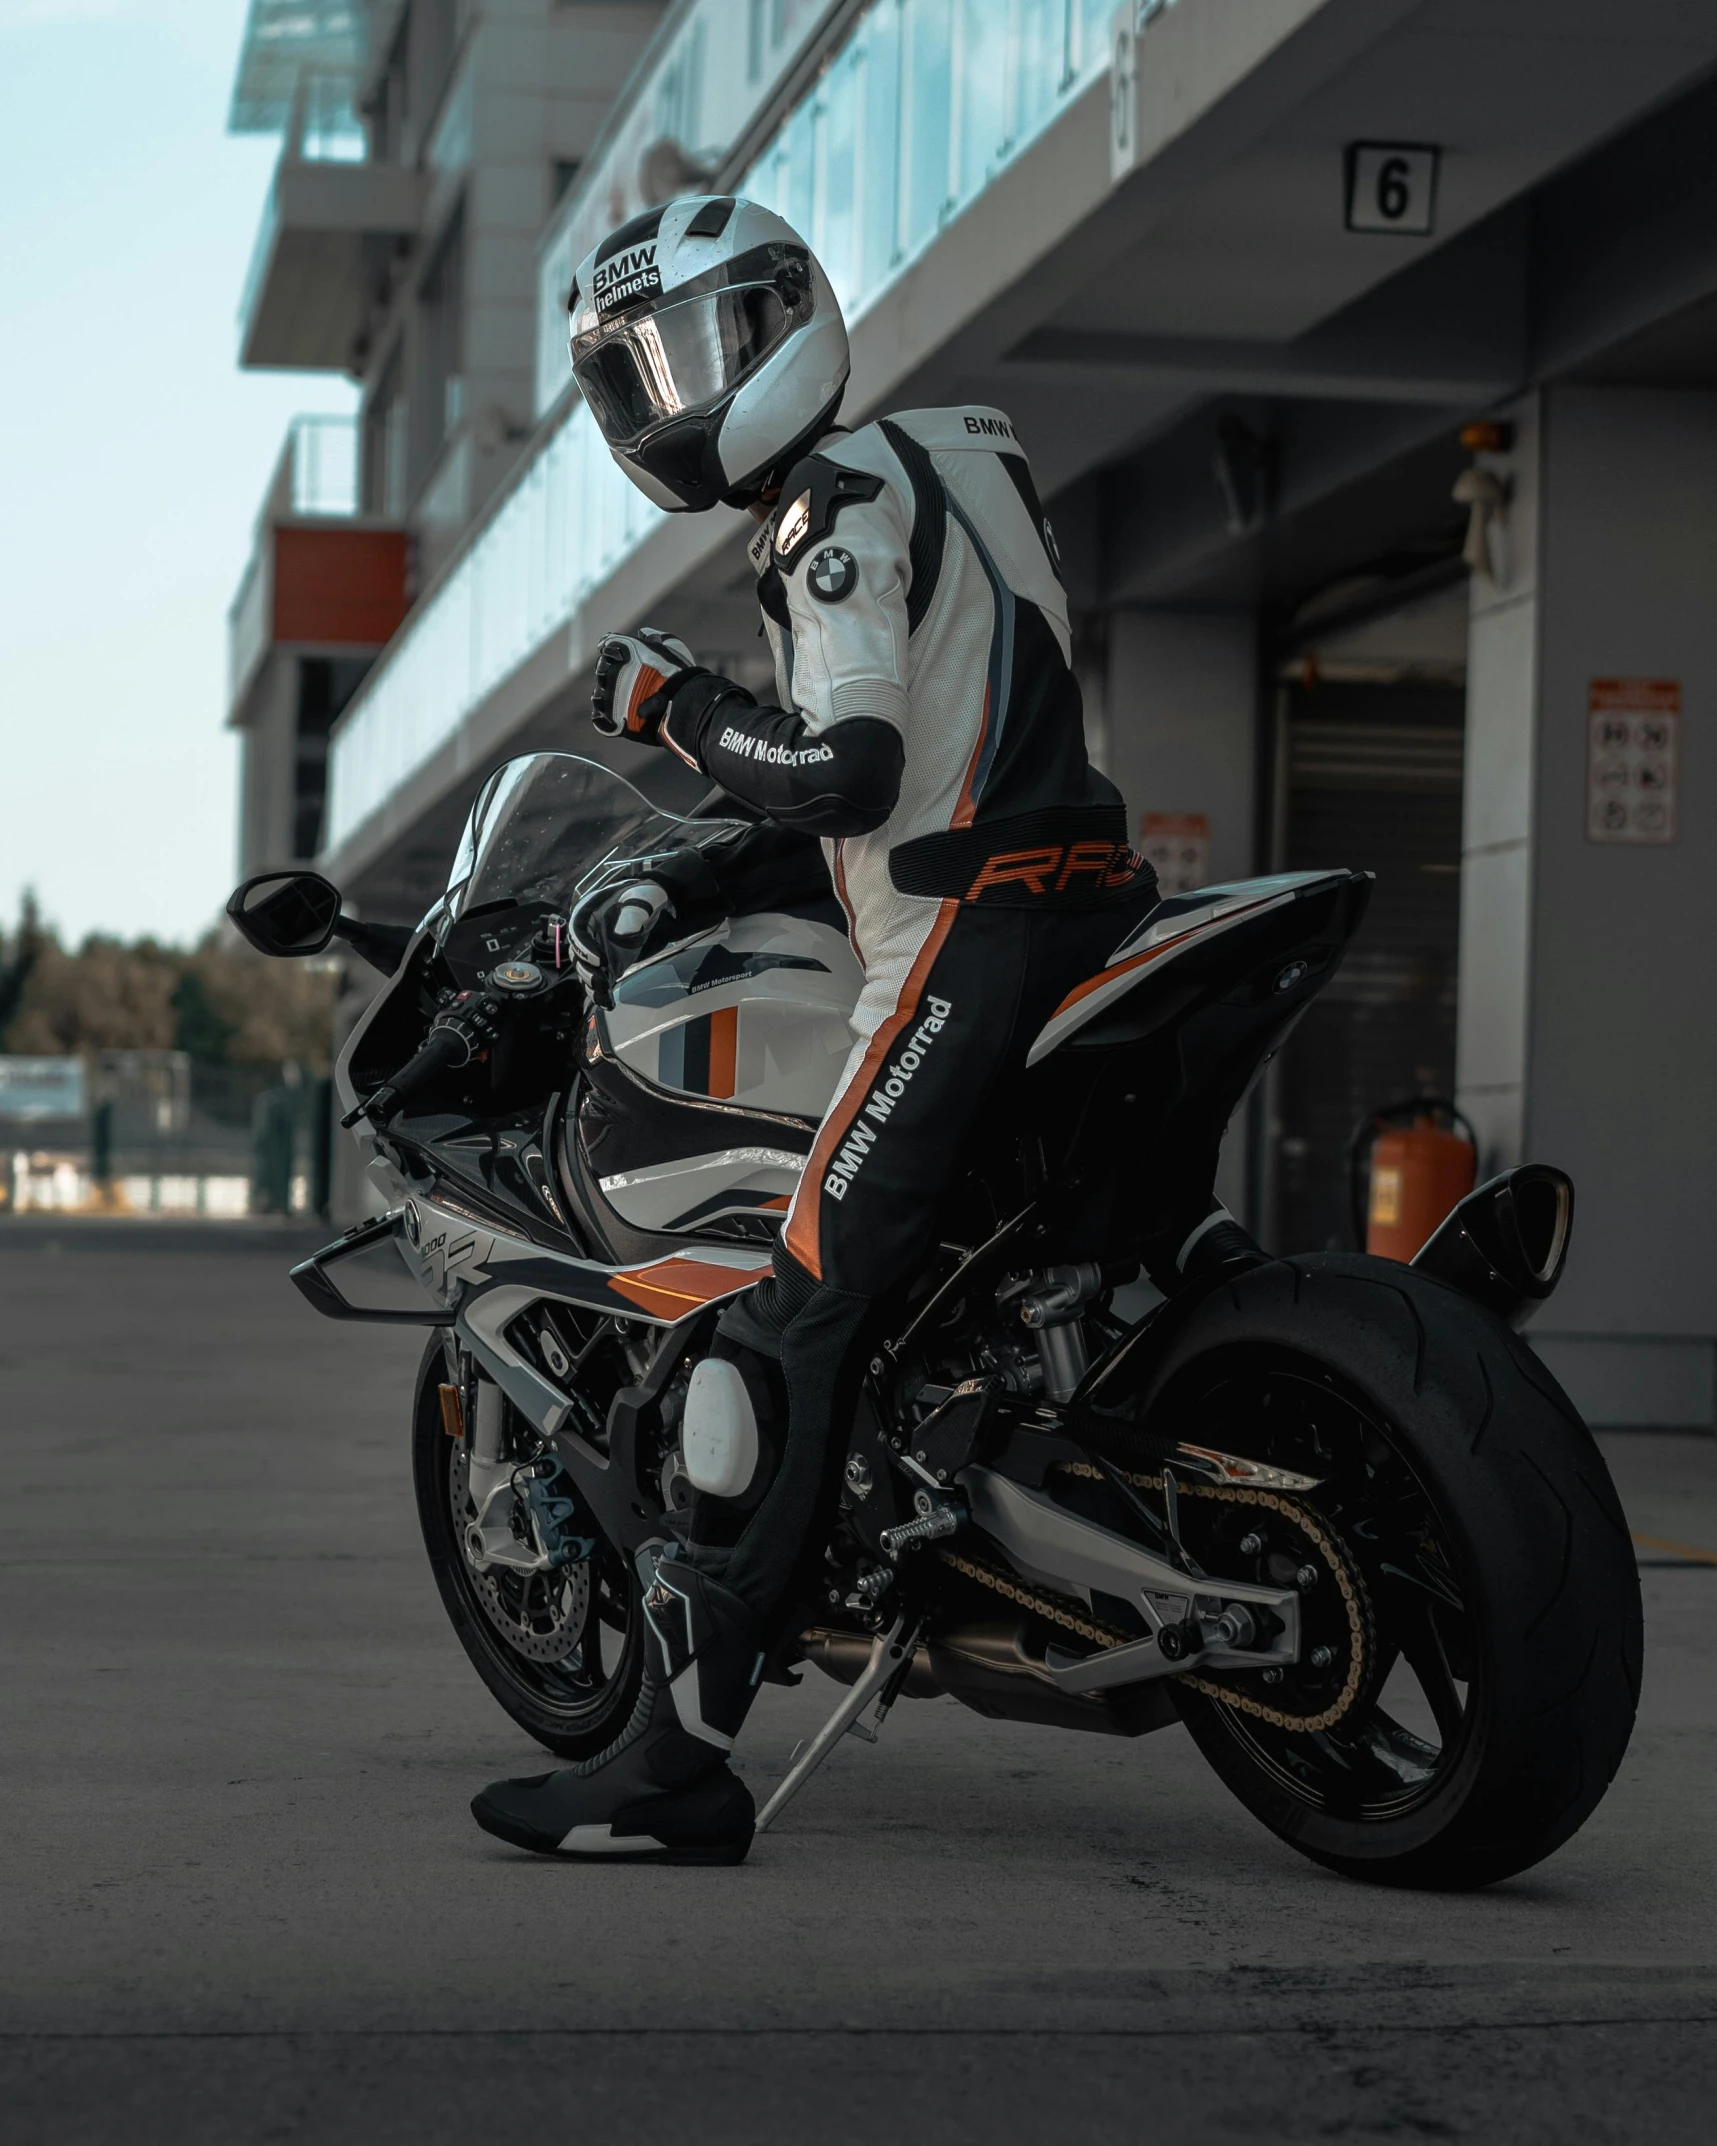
285, 39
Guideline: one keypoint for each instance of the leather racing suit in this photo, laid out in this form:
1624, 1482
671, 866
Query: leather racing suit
930, 730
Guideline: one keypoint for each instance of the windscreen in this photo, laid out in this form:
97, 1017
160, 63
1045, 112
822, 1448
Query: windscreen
547, 827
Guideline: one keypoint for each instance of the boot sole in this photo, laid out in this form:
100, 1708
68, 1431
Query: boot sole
600, 1844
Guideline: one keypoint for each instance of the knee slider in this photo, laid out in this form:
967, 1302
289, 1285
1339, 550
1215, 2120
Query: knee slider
718, 1433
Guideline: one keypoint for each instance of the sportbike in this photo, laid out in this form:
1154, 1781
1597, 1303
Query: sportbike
1328, 1511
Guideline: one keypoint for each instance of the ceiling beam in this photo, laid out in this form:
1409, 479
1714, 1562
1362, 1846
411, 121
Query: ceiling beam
1210, 365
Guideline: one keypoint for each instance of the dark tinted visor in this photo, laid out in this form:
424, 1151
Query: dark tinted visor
641, 369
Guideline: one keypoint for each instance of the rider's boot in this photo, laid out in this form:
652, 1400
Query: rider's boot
663, 1790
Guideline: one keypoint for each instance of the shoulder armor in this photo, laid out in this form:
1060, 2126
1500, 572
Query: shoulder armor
815, 491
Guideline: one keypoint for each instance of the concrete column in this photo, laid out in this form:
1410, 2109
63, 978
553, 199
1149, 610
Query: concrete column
1179, 725
268, 765
1588, 1002
1498, 813
1180, 720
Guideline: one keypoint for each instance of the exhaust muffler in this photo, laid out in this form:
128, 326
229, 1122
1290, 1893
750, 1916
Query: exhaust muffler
1506, 1244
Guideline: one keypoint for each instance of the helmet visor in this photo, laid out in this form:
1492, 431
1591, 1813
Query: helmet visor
639, 370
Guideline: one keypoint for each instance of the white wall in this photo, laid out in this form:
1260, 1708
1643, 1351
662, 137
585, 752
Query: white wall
1498, 812
1589, 984
1180, 736
1180, 719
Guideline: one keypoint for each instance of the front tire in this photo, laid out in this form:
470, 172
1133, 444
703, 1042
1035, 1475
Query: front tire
1501, 1576
571, 1684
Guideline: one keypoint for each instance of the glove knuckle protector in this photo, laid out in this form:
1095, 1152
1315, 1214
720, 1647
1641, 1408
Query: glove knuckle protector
632, 669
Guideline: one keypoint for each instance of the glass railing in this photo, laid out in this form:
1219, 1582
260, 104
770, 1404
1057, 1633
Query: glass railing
247, 626
322, 127
919, 109
316, 477
324, 453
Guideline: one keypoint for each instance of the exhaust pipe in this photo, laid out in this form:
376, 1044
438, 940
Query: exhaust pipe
1506, 1244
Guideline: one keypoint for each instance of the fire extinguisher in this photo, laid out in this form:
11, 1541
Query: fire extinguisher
1409, 1163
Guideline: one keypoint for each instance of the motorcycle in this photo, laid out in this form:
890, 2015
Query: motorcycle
1327, 1511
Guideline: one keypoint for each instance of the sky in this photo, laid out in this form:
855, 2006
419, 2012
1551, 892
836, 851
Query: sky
133, 456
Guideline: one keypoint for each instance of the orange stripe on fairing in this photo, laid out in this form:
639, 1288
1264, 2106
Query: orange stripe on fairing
1154, 953
802, 1234
673, 1287
723, 1050
968, 805
777, 1205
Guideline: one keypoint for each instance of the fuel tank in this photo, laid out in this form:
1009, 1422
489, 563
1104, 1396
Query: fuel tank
729, 1049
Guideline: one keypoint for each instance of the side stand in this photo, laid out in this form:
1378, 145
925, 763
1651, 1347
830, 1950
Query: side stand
891, 1655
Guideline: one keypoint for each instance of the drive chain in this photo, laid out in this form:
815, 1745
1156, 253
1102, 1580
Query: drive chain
1354, 1602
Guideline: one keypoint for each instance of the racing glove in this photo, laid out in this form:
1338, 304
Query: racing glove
636, 677
615, 925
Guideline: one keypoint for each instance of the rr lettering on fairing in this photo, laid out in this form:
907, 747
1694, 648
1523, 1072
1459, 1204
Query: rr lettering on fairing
878, 1105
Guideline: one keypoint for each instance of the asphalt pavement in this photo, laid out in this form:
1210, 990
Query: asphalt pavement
241, 1897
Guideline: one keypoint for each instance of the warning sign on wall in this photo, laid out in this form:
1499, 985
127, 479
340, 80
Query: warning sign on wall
1633, 758
1178, 845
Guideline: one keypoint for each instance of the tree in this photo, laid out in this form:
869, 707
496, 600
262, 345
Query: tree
219, 1001
17, 960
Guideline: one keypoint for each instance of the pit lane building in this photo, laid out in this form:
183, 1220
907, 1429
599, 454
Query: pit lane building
1366, 354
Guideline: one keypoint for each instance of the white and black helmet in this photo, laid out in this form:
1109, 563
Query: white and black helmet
709, 347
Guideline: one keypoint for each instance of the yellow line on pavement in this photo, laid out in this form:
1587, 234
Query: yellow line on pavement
1691, 1552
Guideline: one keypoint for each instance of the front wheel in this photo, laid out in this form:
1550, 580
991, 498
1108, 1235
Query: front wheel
1482, 1539
561, 1650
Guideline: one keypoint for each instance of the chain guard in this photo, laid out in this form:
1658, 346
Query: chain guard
1341, 1618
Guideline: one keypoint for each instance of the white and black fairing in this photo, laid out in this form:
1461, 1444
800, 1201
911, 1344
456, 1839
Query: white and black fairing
614, 1156
1136, 1077
682, 1107
681, 1111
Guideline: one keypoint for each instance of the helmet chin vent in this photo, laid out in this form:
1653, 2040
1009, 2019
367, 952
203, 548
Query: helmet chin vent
678, 456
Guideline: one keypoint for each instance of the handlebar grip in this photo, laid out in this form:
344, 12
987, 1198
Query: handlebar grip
447, 1048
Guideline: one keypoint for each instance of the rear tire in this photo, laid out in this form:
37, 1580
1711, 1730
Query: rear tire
1514, 1500
575, 1706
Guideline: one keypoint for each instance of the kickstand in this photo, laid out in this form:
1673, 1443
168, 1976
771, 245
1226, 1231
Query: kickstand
891, 1656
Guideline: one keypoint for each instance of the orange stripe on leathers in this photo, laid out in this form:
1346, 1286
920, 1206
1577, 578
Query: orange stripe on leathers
802, 1236
968, 805
649, 681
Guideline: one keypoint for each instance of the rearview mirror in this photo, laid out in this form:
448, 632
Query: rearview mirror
286, 913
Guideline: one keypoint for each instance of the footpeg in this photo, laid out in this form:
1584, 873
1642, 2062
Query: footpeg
937, 1518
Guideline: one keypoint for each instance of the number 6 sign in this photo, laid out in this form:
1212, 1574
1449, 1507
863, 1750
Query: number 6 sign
1391, 186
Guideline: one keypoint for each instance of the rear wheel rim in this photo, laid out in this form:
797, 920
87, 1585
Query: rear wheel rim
1409, 1731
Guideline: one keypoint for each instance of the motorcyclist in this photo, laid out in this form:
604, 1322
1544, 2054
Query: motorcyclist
928, 729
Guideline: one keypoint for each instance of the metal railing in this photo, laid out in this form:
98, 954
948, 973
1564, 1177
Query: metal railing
921, 106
